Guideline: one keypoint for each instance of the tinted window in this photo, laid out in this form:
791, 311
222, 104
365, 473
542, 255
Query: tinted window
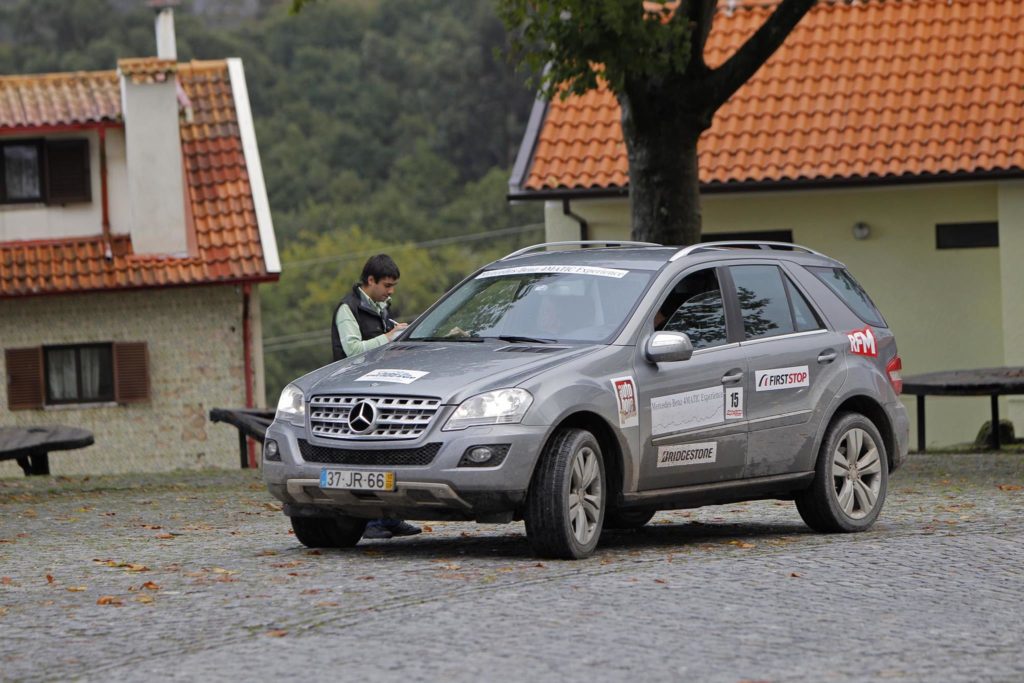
803, 314
843, 284
694, 306
763, 301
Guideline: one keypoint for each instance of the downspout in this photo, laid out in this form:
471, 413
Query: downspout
246, 341
584, 226
108, 252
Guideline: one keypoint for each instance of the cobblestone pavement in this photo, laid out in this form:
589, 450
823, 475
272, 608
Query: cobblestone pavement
195, 576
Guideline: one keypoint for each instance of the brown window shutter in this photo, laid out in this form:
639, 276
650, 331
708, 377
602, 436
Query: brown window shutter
25, 389
67, 171
131, 372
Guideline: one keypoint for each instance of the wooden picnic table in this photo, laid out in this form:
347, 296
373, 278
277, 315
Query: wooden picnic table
992, 382
31, 446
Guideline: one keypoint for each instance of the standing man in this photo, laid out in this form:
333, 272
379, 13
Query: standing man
361, 323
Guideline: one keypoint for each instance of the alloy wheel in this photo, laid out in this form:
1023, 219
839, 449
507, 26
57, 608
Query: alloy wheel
857, 473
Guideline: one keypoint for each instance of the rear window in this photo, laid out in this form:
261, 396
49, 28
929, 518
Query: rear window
850, 291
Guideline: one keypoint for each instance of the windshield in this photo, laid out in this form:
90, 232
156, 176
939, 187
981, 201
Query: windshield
542, 303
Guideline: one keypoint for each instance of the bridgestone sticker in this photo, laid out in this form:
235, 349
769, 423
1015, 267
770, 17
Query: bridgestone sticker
677, 412
397, 376
570, 270
689, 454
734, 404
625, 396
782, 378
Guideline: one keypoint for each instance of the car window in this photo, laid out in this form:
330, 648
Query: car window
694, 306
579, 304
849, 290
763, 301
805, 317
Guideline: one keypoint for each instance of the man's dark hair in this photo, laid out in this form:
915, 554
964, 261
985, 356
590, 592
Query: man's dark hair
379, 267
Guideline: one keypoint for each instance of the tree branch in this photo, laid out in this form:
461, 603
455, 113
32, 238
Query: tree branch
739, 68
700, 14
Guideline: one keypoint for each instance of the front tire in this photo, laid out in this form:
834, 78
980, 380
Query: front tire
565, 505
328, 532
850, 480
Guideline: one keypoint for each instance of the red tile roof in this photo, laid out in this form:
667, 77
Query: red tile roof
227, 235
867, 90
59, 99
147, 69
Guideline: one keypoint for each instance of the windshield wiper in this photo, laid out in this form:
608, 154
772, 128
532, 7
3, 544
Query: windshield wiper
528, 340
479, 340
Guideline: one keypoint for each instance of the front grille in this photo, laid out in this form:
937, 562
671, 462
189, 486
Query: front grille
423, 455
397, 417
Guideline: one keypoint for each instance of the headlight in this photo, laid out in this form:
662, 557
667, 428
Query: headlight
504, 406
290, 407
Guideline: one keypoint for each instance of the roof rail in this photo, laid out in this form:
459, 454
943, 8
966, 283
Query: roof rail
741, 244
579, 243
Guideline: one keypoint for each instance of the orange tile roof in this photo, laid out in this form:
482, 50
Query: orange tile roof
861, 91
227, 234
147, 69
59, 99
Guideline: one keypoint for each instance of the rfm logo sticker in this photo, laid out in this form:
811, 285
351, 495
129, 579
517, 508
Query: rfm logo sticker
862, 342
625, 396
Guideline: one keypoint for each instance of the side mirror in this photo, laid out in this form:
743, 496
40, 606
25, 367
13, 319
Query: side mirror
666, 347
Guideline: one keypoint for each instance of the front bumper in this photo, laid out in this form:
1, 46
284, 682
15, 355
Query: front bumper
438, 490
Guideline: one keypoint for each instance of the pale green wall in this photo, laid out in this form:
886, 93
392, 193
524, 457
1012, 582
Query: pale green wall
944, 305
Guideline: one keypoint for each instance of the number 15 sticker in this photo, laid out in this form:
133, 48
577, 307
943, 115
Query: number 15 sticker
734, 404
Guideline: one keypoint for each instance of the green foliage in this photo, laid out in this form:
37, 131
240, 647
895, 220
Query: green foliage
580, 41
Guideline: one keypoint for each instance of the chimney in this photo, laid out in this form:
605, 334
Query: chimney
166, 45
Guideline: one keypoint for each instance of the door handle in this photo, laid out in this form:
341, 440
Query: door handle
827, 356
732, 377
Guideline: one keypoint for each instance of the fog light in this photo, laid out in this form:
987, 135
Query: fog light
490, 455
271, 451
480, 454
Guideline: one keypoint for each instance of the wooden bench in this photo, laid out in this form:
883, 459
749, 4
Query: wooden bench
31, 446
992, 382
250, 423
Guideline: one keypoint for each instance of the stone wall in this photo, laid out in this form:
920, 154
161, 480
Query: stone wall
196, 360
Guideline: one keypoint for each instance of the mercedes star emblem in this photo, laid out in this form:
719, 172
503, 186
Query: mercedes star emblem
362, 418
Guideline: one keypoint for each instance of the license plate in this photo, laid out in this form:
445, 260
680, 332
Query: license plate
357, 480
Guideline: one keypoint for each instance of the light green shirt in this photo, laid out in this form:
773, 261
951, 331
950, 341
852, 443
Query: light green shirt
348, 329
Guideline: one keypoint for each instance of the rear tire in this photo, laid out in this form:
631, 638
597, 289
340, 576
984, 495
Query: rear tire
850, 479
566, 502
627, 519
328, 532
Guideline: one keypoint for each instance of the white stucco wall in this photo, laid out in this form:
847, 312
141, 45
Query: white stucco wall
194, 336
38, 221
945, 306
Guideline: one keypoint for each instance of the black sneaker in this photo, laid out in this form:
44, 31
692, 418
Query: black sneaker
400, 528
374, 530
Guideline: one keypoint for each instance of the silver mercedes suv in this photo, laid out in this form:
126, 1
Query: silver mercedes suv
580, 389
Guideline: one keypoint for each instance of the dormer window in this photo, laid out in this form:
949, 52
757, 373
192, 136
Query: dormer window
50, 171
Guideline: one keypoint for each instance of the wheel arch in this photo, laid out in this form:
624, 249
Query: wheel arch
611, 449
872, 410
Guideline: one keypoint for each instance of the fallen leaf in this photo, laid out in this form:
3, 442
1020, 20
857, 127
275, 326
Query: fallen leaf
314, 552
266, 553
109, 600
221, 570
466, 534
6, 580
310, 591
659, 581
151, 527
277, 633
145, 599
76, 589
327, 604
110, 514
29, 513
451, 567
150, 586
3, 611
287, 565
427, 529
1009, 487
165, 536
795, 575
541, 565
364, 578
276, 507
49, 578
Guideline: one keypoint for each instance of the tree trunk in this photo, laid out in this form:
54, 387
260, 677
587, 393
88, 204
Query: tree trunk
661, 133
